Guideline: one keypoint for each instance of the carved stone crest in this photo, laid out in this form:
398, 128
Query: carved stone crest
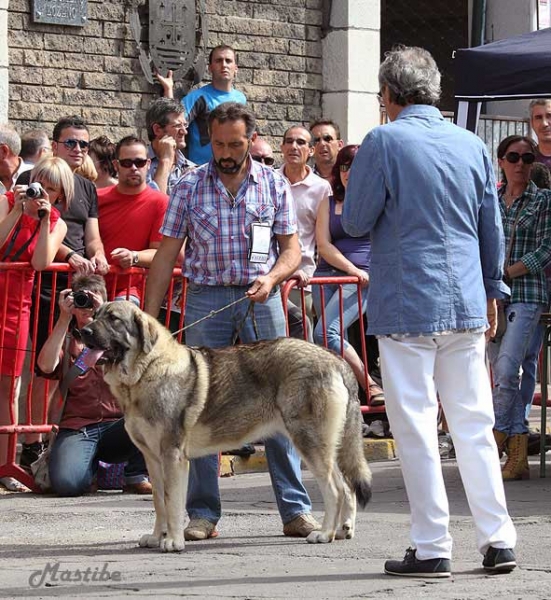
176, 28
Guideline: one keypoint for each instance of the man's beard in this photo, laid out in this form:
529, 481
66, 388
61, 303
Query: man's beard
231, 166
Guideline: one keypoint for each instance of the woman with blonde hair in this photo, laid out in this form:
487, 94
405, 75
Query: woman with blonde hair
32, 231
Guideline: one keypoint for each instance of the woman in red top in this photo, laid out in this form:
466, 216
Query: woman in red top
30, 231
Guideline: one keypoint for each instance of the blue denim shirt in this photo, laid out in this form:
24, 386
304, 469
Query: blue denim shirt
425, 190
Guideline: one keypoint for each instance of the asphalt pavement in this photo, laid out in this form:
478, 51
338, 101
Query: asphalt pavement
87, 547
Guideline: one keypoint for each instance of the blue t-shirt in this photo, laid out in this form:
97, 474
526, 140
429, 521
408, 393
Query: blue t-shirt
198, 104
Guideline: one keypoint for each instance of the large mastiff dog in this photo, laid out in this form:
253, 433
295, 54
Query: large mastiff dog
181, 403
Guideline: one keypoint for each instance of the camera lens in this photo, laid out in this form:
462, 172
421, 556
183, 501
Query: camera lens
82, 299
34, 190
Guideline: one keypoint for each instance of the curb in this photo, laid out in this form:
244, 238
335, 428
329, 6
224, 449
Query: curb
374, 449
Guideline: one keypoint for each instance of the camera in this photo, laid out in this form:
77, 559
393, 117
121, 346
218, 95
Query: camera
82, 299
34, 191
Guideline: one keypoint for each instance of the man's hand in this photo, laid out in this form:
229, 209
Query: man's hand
260, 289
165, 148
303, 278
100, 263
122, 256
81, 265
167, 83
491, 314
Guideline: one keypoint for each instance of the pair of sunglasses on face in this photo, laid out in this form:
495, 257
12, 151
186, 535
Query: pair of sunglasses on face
513, 157
267, 160
72, 144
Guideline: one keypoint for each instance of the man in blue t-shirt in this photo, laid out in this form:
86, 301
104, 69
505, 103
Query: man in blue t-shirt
201, 101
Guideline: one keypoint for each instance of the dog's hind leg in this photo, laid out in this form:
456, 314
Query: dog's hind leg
347, 517
155, 470
175, 474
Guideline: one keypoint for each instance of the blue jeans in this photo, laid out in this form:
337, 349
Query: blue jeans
203, 499
332, 310
75, 455
529, 370
507, 354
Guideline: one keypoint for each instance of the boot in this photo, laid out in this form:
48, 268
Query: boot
501, 441
516, 466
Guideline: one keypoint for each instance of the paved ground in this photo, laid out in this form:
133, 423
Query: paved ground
251, 559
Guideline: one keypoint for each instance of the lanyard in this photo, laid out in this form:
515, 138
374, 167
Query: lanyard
11, 243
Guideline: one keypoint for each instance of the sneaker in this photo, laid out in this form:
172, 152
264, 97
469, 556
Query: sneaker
141, 487
301, 526
411, 566
200, 529
499, 560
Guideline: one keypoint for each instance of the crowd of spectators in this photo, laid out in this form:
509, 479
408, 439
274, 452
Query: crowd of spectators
205, 192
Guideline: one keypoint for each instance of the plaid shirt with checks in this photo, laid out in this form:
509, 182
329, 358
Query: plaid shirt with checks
532, 243
218, 226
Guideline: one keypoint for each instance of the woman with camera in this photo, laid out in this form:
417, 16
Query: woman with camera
91, 427
32, 231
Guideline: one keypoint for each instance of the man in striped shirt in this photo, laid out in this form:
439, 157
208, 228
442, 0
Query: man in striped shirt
239, 220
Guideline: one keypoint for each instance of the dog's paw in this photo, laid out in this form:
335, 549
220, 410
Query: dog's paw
169, 544
320, 537
149, 540
346, 532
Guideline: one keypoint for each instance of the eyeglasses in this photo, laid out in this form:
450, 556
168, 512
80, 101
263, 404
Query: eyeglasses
72, 144
128, 162
177, 125
346, 167
299, 141
324, 138
527, 158
267, 160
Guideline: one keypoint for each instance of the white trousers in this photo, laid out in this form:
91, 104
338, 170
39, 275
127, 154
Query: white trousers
414, 370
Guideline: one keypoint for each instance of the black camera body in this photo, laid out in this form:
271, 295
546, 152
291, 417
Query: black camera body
34, 191
82, 299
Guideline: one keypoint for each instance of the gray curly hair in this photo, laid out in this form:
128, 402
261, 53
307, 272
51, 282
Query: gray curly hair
411, 76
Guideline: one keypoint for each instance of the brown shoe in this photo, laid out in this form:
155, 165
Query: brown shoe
301, 526
376, 395
142, 488
200, 529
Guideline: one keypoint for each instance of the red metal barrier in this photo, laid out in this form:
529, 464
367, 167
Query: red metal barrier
321, 281
173, 317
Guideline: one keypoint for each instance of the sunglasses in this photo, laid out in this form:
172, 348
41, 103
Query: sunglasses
527, 158
72, 144
324, 138
128, 162
267, 160
346, 167
299, 141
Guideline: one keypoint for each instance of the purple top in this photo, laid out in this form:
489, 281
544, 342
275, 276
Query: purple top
356, 249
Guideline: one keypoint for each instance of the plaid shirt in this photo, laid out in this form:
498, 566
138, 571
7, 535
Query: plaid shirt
179, 169
218, 227
532, 243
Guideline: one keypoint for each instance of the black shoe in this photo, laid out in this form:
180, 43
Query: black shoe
245, 450
30, 453
499, 560
413, 567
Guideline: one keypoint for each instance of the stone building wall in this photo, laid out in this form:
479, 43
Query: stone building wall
93, 71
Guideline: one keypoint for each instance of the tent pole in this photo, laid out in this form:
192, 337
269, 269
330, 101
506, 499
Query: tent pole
478, 27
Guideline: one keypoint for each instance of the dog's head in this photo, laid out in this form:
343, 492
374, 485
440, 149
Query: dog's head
120, 328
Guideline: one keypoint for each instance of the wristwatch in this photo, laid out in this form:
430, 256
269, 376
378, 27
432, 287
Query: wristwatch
135, 258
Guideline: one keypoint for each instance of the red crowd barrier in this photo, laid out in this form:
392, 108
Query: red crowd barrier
173, 317
340, 281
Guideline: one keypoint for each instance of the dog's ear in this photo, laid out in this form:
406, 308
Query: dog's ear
147, 332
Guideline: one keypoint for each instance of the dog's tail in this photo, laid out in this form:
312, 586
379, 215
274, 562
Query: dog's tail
351, 457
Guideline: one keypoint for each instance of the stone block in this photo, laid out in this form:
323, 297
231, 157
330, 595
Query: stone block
288, 63
277, 78
104, 47
135, 83
26, 75
61, 77
113, 12
116, 30
314, 65
84, 63
101, 81
25, 39
55, 60
297, 47
64, 43
293, 31
313, 81
101, 116
117, 64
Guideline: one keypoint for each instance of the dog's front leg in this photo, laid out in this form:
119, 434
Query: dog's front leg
175, 472
155, 470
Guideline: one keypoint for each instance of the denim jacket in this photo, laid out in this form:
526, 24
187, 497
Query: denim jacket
425, 191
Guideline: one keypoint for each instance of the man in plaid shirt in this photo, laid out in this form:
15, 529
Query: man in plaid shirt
239, 220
